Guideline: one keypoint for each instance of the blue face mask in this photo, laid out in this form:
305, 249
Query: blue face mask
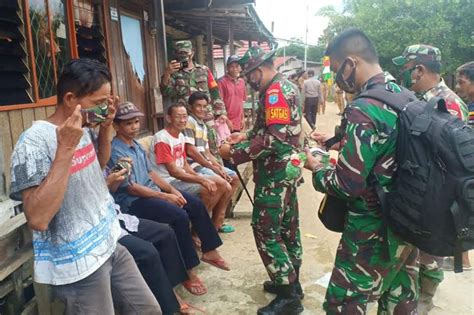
95, 115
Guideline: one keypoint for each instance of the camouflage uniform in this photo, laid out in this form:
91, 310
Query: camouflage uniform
367, 267
275, 217
183, 83
431, 272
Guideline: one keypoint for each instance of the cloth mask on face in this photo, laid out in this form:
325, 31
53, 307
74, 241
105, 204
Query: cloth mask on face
405, 77
347, 85
96, 115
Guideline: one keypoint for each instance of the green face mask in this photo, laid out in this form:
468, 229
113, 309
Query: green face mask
405, 77
96, 115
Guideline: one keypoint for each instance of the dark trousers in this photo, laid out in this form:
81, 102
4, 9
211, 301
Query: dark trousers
155, 250
178, 218
310, 110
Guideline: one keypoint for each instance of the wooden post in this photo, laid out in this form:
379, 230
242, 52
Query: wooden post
231, 37
3, 186
199, 55
210, 45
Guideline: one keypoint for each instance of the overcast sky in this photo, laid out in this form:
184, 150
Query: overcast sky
290, 17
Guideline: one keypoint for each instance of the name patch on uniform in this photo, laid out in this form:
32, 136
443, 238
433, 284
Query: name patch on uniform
277, 110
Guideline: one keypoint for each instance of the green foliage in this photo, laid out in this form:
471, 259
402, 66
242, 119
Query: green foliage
296, 48
393, 25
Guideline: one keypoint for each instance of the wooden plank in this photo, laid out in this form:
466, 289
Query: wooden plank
28, 117
16, 124
7, 210
10, 265
7, 147
12, 224
40, 113
31, 308
50, 110
7, 285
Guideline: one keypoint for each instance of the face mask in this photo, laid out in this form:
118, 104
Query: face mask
255, 85
95, 115
405, 77
347, 85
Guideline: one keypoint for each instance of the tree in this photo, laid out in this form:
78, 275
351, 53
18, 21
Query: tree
393, 25
296, 48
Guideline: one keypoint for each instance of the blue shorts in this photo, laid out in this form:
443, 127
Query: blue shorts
208, 172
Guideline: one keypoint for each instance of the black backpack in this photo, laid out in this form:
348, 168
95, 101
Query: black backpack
431, 204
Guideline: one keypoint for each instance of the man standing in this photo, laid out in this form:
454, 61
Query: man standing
465, 87
421, 68
182, 78
372, 263
233, 91
269, 145
312, 95
56, 173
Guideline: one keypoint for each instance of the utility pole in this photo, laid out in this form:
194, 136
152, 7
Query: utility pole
306, 39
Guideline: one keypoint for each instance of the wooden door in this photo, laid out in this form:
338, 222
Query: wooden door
135, 80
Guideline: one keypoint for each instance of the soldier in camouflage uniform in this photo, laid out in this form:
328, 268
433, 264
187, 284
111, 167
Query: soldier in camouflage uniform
421, 67
368, 266
179, 83
269, 145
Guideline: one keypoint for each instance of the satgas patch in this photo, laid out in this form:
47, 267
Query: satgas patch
277, 110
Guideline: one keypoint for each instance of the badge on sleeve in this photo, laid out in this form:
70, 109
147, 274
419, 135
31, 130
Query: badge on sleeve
277, 110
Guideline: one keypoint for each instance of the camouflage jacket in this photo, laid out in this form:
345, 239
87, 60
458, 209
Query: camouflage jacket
453, 102
367, 149
275, 135
183, 83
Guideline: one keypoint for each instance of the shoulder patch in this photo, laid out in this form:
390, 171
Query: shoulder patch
277, 110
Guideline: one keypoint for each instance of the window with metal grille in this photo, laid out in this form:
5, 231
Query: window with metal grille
89, 30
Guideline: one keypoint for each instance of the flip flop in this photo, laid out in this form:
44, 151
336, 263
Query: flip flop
226, 228
187, 309
218, 263
195, 287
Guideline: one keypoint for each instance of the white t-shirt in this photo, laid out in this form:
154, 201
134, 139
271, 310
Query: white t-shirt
166, 148
83, 234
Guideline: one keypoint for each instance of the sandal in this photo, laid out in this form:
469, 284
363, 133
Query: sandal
218, 263
226, 228
195, 287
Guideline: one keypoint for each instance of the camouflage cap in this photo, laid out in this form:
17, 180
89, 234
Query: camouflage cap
253, 58
420, 52
183, 45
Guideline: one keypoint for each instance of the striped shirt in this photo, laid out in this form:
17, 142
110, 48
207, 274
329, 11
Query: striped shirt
195, 133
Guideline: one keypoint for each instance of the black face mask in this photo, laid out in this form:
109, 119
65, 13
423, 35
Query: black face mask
347, 85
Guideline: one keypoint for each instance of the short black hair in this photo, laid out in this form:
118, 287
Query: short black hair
352, 42
432, 66
82, 77
311, 73
467, 70
172, 107
197, 96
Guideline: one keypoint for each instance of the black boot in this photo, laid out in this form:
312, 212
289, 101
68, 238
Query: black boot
270, 287
286, 302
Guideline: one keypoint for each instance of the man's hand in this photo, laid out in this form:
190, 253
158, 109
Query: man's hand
224, 151
209, 185
219, 170
171, 198
70, 132
115, 179
173, 66
113, 104
311, 162
181, 198
321, 139
236, 137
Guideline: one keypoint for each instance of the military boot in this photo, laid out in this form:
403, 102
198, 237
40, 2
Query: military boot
270, 286
427, 291
286, 302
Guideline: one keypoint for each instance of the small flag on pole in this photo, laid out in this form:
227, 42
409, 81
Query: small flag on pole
326, 68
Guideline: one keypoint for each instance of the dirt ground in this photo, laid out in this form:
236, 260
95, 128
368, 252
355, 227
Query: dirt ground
240, 292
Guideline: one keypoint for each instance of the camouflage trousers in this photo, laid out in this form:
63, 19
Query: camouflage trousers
366, 272
275, 223
430, 268
213, 145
